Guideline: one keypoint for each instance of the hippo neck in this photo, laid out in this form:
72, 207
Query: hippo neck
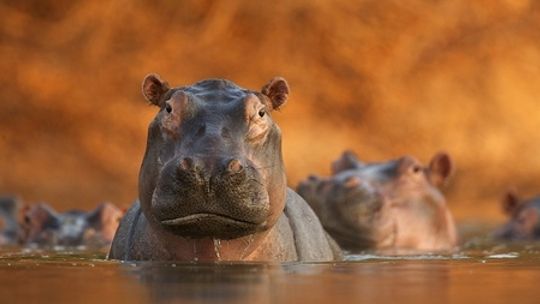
439, 232
258, 247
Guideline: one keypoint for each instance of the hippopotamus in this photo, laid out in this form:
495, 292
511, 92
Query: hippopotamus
9, 226
212, 183
524, 218
394, 206
42, 226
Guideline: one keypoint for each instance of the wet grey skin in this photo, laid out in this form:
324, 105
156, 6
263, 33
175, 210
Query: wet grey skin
9, 206
393, 205
523, 218
212, 182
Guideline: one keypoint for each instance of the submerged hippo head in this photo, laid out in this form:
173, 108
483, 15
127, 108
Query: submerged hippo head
350, 209
390, 205
9, 227
524, 214
43, 226
213, 166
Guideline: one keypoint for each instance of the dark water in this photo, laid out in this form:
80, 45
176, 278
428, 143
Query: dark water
482, 272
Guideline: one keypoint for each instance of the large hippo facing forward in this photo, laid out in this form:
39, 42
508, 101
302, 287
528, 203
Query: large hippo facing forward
393, 206
212, 183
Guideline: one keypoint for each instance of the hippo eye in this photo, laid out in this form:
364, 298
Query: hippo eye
262, 112
168, 108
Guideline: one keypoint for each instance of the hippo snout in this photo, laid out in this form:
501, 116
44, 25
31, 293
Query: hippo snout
213, 197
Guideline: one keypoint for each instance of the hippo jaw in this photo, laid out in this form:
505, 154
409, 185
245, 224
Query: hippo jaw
201, 225
208, 222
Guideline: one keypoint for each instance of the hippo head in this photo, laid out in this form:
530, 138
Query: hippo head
213, 166
411, 200
524, 222
385, 205
43, 226
9, 226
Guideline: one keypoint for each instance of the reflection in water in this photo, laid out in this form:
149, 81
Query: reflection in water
228, 283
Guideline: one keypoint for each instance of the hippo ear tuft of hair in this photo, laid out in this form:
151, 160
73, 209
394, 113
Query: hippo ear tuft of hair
510, 201
153, 88
278, 92
440, 169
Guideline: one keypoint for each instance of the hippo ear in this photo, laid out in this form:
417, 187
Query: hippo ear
277, 90
39, 215
308, 185
103, 214
347, 161
153, 88
44, 210
440, 169
510, 201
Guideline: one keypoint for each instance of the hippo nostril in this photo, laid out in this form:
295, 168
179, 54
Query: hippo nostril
225, 133
234, 166
187, 164
313, 178
201, 131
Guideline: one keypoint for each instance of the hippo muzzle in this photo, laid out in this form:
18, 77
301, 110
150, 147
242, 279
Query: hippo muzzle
199, 197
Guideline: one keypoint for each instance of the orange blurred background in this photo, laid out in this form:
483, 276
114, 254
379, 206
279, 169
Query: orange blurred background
384, 78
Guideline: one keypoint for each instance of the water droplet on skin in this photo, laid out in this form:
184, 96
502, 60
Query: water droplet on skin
217, 247
195, 257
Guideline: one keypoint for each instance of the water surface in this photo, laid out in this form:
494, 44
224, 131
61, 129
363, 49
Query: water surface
483, 271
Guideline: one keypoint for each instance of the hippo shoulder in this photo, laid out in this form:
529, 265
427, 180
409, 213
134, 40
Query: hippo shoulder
124, 234
311, 240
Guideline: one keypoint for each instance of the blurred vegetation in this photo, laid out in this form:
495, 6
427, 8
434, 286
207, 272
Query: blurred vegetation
384, 78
